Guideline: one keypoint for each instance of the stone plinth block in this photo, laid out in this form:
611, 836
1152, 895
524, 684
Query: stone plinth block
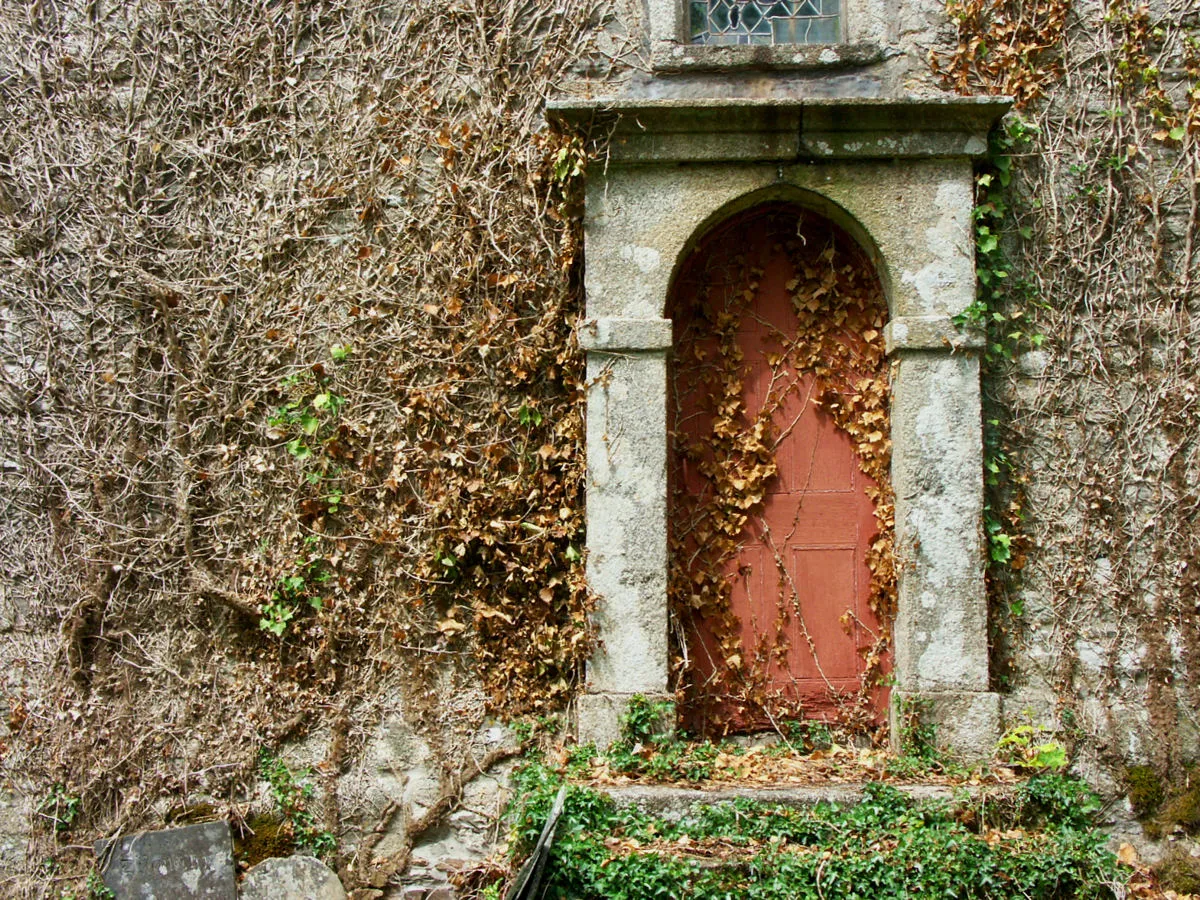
967, 723
292, 878
598, 716
177, 864
617, 335
931, 333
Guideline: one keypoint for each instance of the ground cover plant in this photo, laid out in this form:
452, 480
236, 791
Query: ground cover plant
1014, 826
1039, 845
801, 752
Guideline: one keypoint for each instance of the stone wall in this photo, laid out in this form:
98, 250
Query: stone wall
1096, 632
120, 206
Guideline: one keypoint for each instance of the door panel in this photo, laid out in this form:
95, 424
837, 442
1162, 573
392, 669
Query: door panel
771, 584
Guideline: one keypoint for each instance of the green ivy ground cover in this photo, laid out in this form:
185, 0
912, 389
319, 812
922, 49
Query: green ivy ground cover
1037, 844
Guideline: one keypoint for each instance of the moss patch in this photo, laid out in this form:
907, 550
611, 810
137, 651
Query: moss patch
1177, 807
1183, 810
262, 837
1145, 790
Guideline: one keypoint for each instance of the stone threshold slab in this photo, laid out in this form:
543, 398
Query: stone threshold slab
673, 803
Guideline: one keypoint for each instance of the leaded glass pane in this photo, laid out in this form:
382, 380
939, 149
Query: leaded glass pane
719, 17
765, 22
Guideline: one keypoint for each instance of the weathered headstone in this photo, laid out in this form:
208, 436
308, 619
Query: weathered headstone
292, 878
177, 864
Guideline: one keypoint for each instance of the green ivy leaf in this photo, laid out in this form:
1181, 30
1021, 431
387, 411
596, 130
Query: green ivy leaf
528, 416
1001, 547
1049, 756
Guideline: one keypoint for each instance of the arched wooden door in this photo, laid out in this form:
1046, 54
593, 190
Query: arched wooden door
781, 514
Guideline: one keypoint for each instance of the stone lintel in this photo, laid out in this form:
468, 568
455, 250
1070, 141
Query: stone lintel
888, 144
612, 334
767, 145
662, 128
598, 715
968, 723
930, 333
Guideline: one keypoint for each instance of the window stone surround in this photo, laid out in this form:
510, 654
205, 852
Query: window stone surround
867, 27
898, 177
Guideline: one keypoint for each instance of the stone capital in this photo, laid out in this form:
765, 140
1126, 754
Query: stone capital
930, 333
616, 334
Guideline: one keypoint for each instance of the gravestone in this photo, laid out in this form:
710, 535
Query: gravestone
176, 864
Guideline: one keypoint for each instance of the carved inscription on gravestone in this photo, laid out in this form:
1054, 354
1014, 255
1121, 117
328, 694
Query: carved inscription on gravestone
177, 864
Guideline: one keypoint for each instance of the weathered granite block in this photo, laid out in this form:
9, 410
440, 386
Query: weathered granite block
292, 878
967, 722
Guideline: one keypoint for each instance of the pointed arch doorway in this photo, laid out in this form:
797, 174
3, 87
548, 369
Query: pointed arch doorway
781, 578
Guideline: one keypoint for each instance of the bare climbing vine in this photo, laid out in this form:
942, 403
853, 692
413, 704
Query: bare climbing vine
1099, 419
292, 400
1007, 47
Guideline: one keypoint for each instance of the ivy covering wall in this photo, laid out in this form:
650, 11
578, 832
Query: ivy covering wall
291, 396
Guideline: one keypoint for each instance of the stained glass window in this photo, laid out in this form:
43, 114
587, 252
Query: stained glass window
765, 22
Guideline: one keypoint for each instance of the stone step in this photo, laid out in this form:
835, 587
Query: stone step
672, 803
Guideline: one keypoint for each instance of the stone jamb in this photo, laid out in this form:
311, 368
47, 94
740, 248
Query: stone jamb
626, 515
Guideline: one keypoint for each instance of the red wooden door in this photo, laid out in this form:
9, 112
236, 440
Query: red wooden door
773, 516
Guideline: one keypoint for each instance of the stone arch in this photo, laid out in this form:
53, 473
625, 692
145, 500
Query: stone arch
803, 198
917, 228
